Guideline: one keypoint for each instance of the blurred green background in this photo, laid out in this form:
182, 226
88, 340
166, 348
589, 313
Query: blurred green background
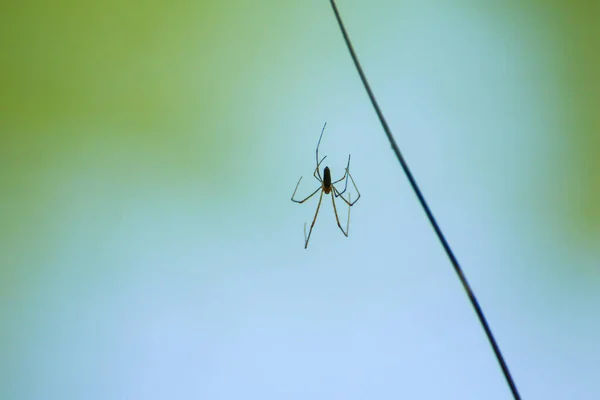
148, 152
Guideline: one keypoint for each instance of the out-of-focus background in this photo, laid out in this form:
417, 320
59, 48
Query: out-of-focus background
149, 248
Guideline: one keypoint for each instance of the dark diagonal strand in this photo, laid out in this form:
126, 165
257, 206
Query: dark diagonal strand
430, 216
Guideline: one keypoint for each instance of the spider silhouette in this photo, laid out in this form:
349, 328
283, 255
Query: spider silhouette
328, 187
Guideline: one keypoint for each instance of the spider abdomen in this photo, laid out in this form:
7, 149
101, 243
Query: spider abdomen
326, 180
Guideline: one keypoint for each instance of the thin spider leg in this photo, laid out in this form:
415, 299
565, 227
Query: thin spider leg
342, 197
307, 238
309, 196
345, 173
318, 144
317, 170
348, 222
336, 216
339, 180
344, 177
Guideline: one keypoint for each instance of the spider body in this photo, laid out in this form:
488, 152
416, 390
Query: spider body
328, 187
326, 180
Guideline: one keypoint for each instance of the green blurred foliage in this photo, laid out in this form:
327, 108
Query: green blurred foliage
130, 93
149, 70
576, 24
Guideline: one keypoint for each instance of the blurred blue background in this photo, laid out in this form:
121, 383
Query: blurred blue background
149, 248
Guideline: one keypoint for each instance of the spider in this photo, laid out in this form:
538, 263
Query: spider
328, 187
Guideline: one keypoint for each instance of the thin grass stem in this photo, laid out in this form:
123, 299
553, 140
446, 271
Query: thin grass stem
428, 212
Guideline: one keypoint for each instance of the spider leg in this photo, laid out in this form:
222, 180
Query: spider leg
339, 194
317, 170
337, 219
319, 162
307, 238
309, 196
319, 143
344, 177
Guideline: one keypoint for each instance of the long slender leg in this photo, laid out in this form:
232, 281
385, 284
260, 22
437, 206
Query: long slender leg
348, 223
344, 177
337, 219
319, 142
338, 194
317, 170
309, 196
339, 180
307, 238
345, 173
320, 178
